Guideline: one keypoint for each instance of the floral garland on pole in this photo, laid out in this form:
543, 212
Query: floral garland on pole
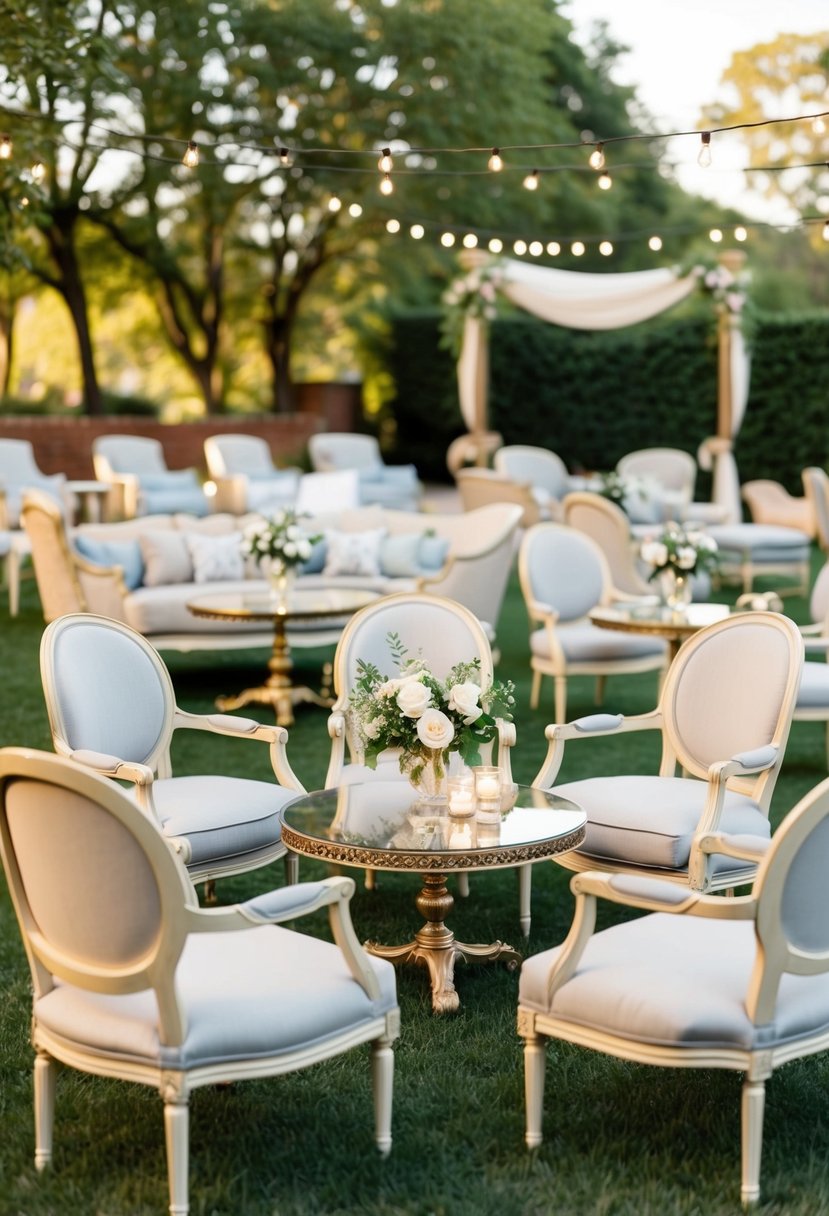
729, 293
474, 294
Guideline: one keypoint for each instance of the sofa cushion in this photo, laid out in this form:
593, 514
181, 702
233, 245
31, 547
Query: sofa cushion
126, 554
353, 552
163, 609
216, 559
166, 558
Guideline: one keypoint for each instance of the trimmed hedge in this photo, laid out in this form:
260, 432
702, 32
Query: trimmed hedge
592, 397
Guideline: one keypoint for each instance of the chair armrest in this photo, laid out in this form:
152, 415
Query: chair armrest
112, 766
557, 734
660, 895
290, 902
336, 733
749, 848
744, 763
755, 761
246, 728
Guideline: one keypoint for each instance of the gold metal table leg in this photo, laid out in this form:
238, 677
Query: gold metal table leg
436, 947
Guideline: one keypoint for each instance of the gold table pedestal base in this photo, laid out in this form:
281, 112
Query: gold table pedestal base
279, 691
435, 946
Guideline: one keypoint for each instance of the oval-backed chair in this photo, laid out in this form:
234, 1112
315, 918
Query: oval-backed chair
246, 478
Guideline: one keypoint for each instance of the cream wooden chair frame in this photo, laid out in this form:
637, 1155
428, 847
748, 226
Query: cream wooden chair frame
606, 523
816, 488
777, 946
752, 772
156, 763
146, 957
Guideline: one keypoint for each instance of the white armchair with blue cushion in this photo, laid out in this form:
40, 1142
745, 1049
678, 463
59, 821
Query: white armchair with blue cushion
132, 980
19, 472
112, 709
141, 484
542, 470
245, 475
723, 719
698, 982
395, 486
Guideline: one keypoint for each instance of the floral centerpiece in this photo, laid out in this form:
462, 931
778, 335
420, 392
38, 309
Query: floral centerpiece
679, 553
624, 491
727, 289
425, 718
280, 544
475, 294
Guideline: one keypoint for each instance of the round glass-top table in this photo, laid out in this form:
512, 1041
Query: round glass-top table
651, 617
382, 825
312, 607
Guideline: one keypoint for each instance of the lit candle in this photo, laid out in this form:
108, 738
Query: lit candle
488, 786
462, 800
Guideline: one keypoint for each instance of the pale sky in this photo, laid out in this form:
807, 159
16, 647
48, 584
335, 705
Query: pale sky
679, 50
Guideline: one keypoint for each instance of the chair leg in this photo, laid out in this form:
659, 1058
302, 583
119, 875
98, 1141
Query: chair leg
371, 880
561, 698
13, 563
291, 863
535, 1062
525, 889
177, 1136
601, 681
382, 1069
44, 1084
535, 690
753, 1106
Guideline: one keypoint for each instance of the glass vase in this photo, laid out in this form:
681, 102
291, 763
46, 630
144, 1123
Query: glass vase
676, 589
432, 784
281, 579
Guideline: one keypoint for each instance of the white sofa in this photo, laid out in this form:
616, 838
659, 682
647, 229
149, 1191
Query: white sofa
477, 554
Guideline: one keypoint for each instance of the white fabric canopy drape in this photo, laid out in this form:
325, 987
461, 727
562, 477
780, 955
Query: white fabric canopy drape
595, 301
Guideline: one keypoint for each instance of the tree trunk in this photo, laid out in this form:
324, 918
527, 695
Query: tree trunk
278, 348
8, 308
60, 236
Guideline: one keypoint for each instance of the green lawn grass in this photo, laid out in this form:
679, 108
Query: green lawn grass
619, 1138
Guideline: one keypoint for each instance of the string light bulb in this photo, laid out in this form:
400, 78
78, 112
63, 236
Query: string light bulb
531, 180
386, 185
190, 160
392, 226
605, 181
470, 241
520, 247
596, 160
6, 147
416, 232
704, 157
553, 248
285, 158
38, 171
385, 163
605, 248
495, 163
826, 230
740, 233
447, 240
495, 245
334, 203
577, 248
536, 249
655, 243
715, 235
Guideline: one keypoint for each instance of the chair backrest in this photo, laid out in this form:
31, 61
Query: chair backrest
99, 894
816, 486
732, 689
235, 455
334, 450
107, 690
482, 487
671, 467
563, 569
441, 631
18, 472
606, 523
792, 920
537, 466
319, 493
58, 585
112, 454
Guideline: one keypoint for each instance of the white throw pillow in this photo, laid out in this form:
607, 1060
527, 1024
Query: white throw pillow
166, 558
355, 553
216, 559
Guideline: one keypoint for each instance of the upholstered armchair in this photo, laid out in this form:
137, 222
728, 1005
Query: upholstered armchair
18, 473
698, 982
394, 486
608, 525
542, 470
816, 488
723, 717
141, 484
770, 503
132, 980
673, 472
112, 709
483, 487
246, 478
563, 576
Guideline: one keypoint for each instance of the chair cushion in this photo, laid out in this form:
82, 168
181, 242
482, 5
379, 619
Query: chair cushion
216, 558
651, 821
253, 993
586, 643
814, 687
774, 542
676, 980
221, 816
126, 554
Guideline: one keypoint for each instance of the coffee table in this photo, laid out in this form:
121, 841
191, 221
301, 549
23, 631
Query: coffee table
308, 607
659, 620
382, 825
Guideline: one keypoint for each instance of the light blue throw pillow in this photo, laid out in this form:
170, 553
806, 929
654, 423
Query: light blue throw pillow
400, 555
126, 554
316, 562
433, 552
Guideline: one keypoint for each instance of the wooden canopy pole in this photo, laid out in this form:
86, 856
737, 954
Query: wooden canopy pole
733, 260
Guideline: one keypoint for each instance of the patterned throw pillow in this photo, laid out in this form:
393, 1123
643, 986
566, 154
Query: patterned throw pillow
356, 553
216, 559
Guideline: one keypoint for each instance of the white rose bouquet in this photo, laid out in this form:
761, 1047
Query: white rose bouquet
424, 717
280, 539
684, 552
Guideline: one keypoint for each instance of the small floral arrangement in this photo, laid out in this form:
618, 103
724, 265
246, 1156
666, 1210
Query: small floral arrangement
475, 294
622, 490
424, 717
726, 289
684, 552
279, 538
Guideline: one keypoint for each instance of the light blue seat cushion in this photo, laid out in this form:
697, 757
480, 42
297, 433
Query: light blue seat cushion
221, 816
585, 643
651, 821
126, 554
676, 979
254, 993
762, 542
814, 686
175, 490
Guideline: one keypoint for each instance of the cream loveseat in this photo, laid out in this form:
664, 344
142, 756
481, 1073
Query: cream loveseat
472, 552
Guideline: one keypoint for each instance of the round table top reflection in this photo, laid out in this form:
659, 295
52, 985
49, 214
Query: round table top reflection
258, 605
383, 825
657, 618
